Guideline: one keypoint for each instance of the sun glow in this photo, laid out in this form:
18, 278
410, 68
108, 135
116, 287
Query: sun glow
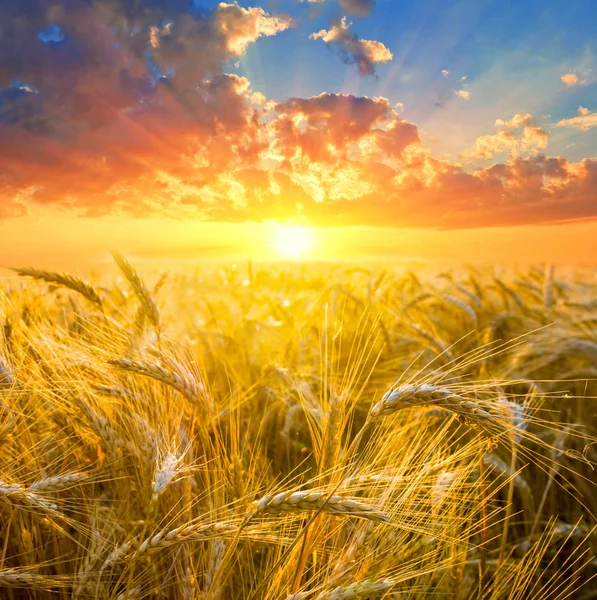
293, 241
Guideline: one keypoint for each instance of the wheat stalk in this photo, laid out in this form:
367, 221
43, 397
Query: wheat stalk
86, 289
308, 500
408, 395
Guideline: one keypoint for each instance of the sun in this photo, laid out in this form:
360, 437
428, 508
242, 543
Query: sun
293, 241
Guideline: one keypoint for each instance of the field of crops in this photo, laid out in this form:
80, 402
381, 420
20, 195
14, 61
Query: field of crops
302, 431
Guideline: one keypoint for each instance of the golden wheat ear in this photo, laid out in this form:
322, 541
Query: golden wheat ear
309, 500
72, 282
469, 411
145, 297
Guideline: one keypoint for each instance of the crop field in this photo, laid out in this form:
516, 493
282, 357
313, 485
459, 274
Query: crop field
301, 431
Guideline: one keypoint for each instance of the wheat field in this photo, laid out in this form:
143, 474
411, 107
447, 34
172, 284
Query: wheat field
301, 431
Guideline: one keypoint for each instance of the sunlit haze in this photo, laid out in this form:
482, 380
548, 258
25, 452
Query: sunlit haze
294, 241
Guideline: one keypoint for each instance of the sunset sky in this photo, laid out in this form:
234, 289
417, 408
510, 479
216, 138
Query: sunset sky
460, 129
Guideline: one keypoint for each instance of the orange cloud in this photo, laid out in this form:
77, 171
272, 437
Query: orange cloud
518, 120
130, 120
583, 122
530, 137
535, 137
311, 127
569, 79
328, 160
488, 145
464, 94
155, 33
243, 26
105, 133
393, 141
364, 53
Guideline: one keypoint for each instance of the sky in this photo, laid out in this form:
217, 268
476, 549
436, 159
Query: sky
390, 127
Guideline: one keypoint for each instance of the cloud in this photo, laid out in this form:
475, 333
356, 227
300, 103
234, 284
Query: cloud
488, 145
528, 137
464, 94
518, 120
116, 94
155, 33
365, 54
397, 138
321, 128
126, 109
122, 39
569, 79
427, 192
583, 122
445, 72
243, 26
535, 137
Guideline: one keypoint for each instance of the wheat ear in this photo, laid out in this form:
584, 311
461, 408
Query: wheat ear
548, 287
6, 379
21, 578
312, 501
190, 389
58, 483
407, 395
130, 594
63, 279
164, 474
366, 588
17, 494
171, 537
145, 297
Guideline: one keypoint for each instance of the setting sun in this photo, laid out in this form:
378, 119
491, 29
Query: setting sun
293, 241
